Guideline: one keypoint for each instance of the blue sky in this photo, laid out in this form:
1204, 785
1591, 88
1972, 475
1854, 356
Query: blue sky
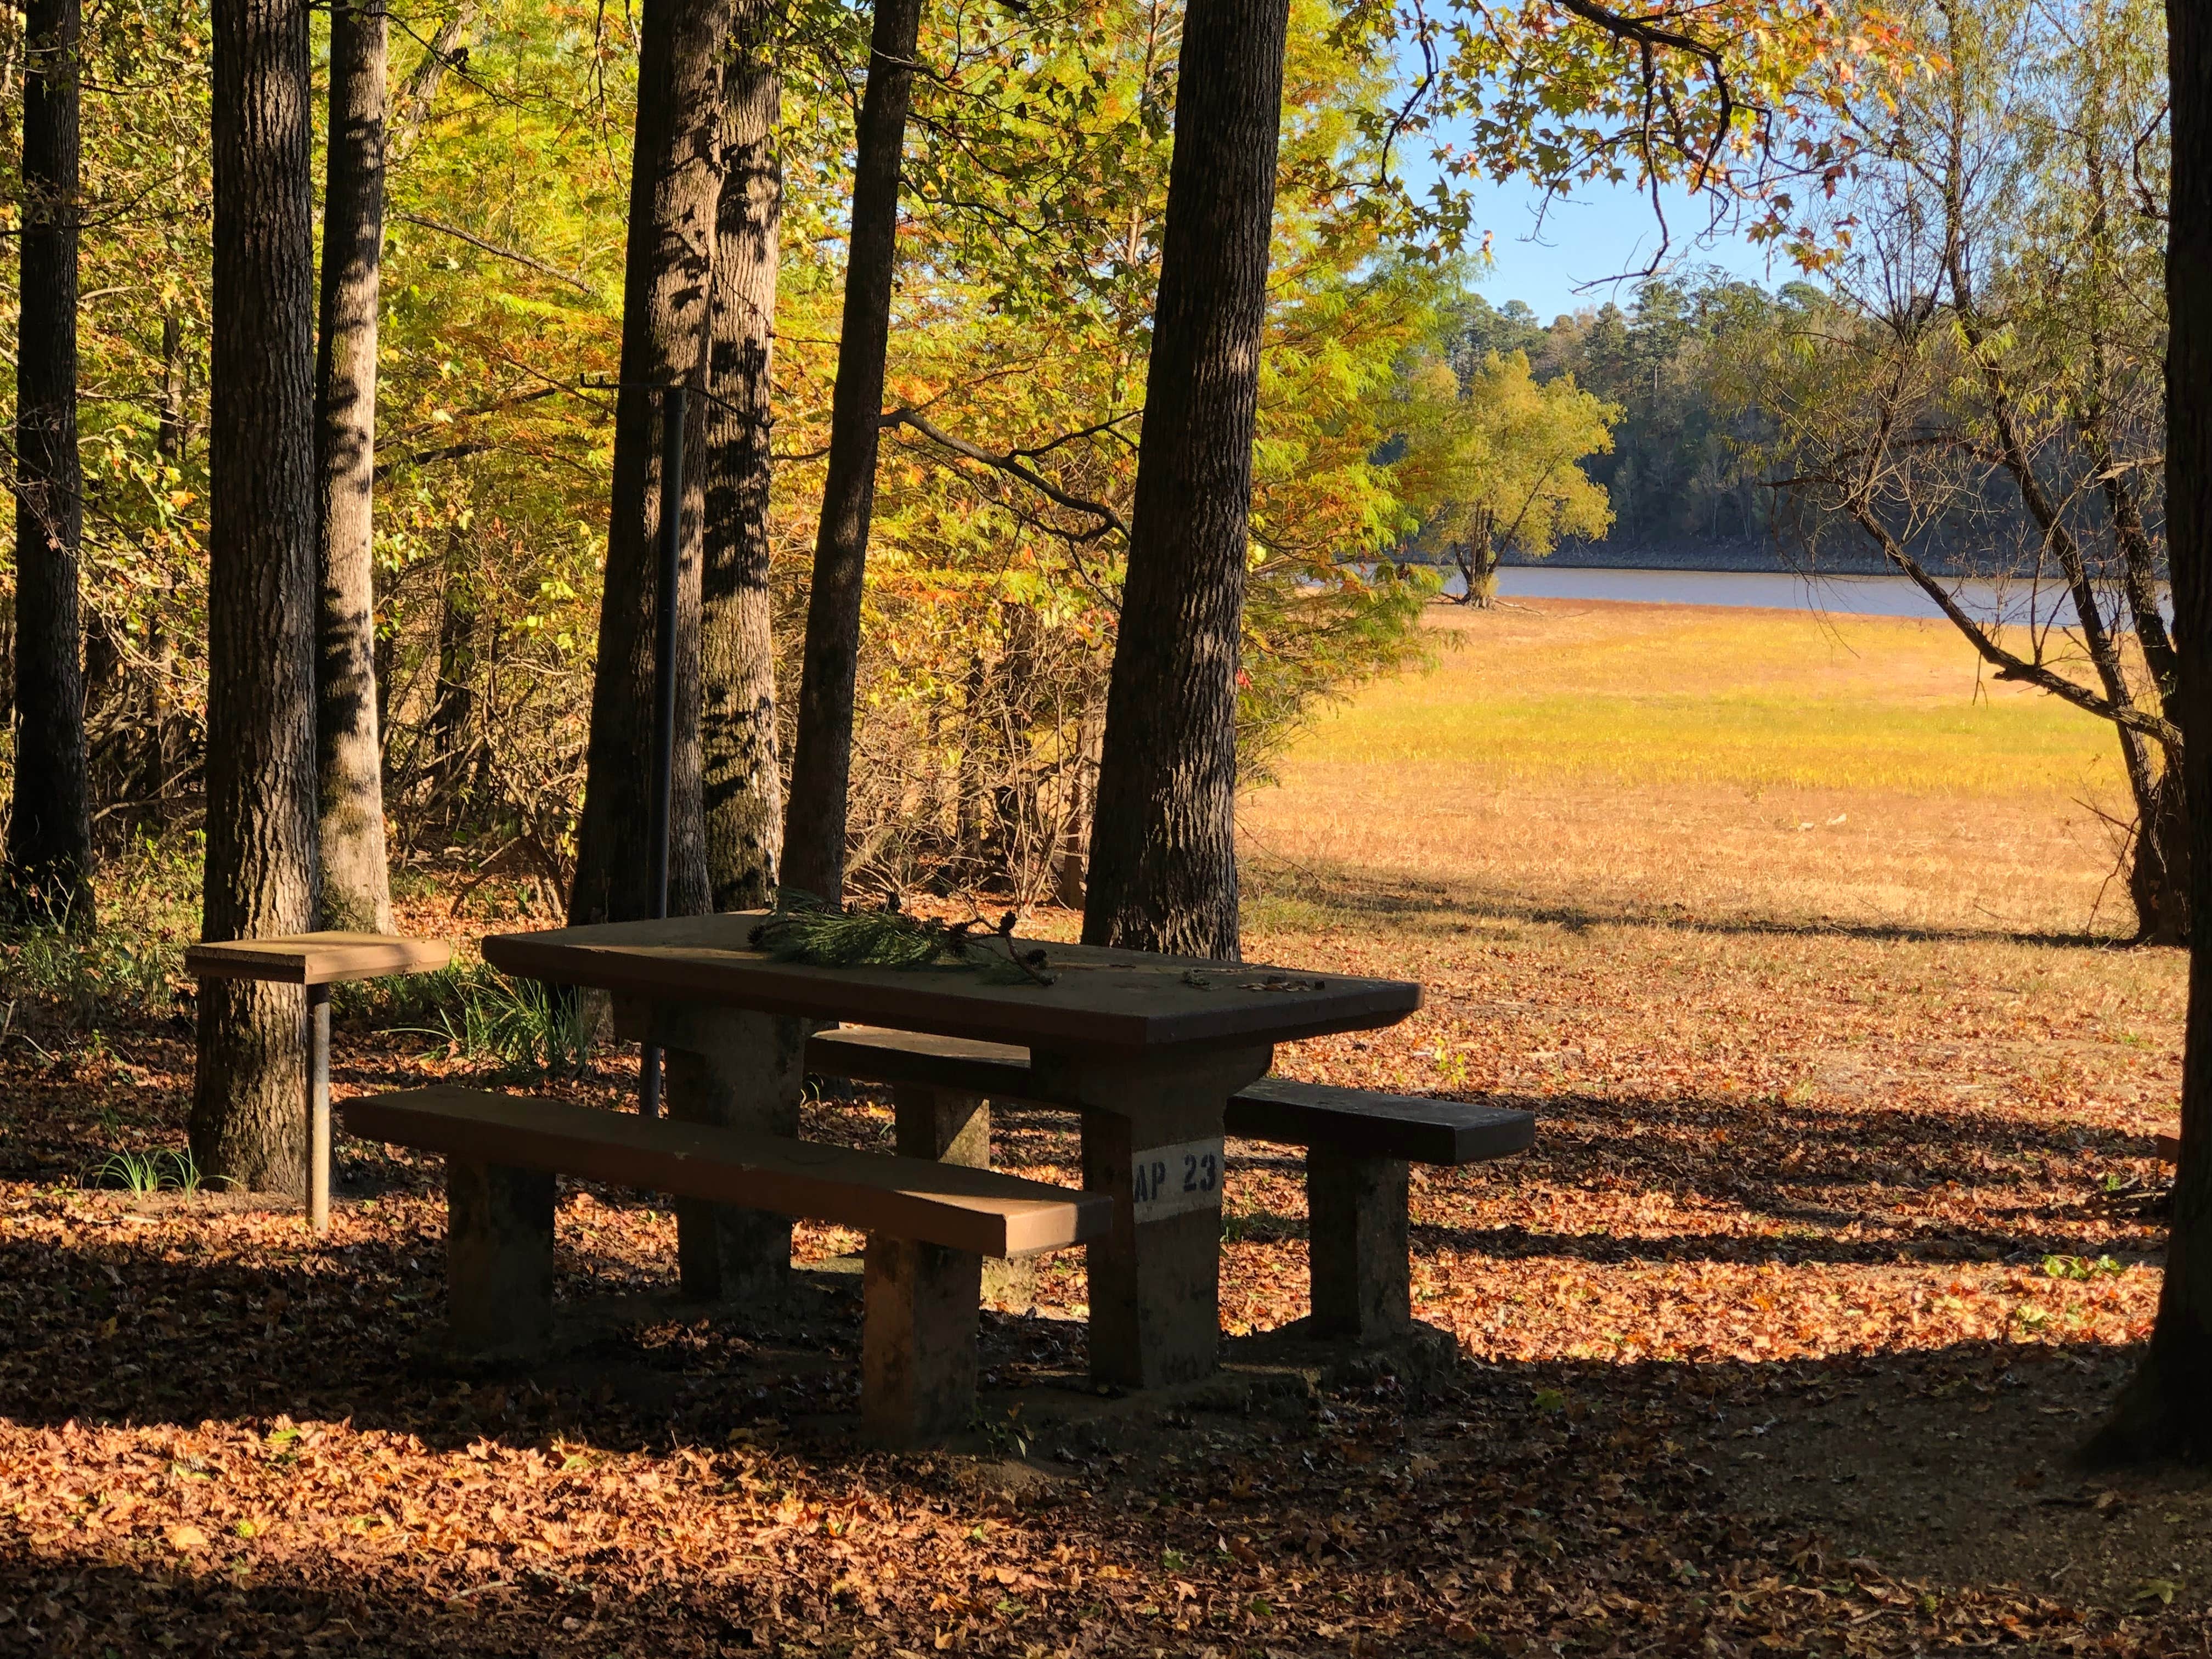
1592, 237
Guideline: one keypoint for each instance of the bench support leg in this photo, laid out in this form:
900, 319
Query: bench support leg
318, 1108
918, 1341
498, 1258
739, 1071
1152, 1138
1362, 1275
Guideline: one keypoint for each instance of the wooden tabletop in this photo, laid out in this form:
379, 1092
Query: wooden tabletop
325, 958
1125, 1001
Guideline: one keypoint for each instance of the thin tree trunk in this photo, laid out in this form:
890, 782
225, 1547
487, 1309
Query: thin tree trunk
1163, 848
446, 50
169, 444
968, 811
49, 831
452, 693
821, 749
160, 713
247, 1126
356, 884
667, 279
740, 784
169, 430
2162, 1412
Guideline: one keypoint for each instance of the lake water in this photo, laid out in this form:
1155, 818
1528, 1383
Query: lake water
1853, 596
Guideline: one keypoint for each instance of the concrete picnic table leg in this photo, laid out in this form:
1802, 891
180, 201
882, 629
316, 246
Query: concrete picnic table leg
1152, 1138
951, 1125
738, 1070
918, 1362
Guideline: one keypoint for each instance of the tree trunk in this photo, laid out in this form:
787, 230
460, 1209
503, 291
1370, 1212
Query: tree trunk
667, 279
967, 786
2162, 1412
356, 882
49, 831
2158, 863
1164, 848
741, 786
247, 1124
453, 695
1482, 572
169, 431
822, 750
169, 444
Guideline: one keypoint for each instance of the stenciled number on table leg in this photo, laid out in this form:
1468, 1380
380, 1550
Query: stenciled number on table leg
1154, 1192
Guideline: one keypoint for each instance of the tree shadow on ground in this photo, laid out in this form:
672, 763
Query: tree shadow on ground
1401, 902
1828, 1166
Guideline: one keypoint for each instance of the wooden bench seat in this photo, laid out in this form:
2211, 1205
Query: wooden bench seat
317, 961
1358, 1144
929, 1225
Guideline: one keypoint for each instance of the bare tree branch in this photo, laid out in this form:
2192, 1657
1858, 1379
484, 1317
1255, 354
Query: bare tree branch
515, 254
1010, 462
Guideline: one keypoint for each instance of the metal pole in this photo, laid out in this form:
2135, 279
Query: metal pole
318, 1108
664, 669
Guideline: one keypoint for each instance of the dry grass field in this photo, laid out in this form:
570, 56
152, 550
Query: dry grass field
1841, 1224
1745, 767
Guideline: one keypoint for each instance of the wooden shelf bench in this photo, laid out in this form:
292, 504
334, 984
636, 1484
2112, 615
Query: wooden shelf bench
929, 1225
1358, 1144
317, 961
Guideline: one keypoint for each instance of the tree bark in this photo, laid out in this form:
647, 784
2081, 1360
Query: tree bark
1164, 850
356, 884
741, 786
247, 1124
169, 431
49, 831
453, 692
2162, 1410
822, 750
667, 279
446, 50
2158, 865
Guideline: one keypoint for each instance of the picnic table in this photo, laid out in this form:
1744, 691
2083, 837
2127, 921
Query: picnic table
1150, 1049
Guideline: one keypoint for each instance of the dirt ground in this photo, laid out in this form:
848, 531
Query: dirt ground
1842, 1225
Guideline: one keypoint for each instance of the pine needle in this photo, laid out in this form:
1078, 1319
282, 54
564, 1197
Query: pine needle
803, 929
823, 938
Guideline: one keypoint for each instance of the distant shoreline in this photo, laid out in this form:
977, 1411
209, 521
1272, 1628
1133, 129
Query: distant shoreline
1758, 558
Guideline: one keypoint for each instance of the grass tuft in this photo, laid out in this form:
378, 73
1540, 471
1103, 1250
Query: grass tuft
162, 1172
531, 1030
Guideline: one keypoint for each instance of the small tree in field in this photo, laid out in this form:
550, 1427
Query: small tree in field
1494, 464
1979, 395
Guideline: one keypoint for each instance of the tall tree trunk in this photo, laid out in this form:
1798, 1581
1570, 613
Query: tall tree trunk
741, 786
247, 1126
668, 278
1163, 848
49, 832
2162, 1412
357, 881
822, 750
